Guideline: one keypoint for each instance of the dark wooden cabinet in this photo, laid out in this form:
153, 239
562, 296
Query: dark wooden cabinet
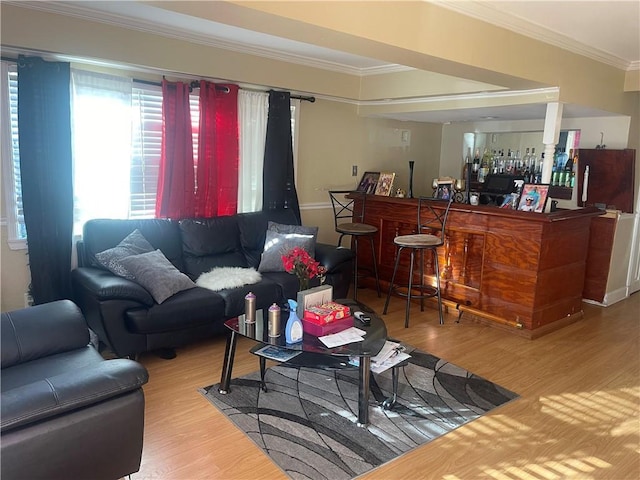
611, 177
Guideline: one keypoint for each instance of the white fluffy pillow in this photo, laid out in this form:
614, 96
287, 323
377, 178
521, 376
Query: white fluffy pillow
222, 278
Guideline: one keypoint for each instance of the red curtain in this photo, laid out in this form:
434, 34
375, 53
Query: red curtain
218, 151
176, 181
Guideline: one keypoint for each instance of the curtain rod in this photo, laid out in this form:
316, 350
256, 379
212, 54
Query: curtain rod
193, 84
196, 84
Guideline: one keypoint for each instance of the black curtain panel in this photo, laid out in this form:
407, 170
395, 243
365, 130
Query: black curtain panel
279, 189
44, 123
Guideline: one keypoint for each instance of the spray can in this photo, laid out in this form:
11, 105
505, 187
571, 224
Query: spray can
250, 308
274, 320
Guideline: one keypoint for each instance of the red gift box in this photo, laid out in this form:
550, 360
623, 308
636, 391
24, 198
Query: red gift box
326, 313
340, 310
320, 329
319, 315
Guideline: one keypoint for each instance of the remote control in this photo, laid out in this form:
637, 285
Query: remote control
363, 317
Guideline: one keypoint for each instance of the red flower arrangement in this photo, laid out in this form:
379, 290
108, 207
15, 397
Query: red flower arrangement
299, 262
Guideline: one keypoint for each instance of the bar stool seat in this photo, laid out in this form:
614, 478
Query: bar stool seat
432, 217
345, 208
419, 240
355, 229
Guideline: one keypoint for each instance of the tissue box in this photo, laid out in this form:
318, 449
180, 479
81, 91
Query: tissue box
320, 329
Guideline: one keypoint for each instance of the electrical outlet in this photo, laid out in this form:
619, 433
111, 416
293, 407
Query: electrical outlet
354, 171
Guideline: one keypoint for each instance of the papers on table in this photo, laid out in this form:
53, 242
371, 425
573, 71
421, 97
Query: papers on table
391, 354
344, 337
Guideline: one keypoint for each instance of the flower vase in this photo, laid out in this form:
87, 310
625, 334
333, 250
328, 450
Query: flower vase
303, 284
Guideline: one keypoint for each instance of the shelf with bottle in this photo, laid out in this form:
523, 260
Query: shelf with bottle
563, 176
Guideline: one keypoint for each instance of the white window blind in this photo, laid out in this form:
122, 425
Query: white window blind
147, 144
12, 185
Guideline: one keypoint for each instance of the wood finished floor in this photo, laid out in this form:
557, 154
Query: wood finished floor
578, 415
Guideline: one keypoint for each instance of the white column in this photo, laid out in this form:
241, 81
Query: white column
550, 137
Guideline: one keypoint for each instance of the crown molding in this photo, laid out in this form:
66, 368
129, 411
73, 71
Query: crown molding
550, 92
155, 28
486, 13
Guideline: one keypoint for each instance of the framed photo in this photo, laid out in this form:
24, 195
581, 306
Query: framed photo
369, 182
444, 190
533, 197
385, 184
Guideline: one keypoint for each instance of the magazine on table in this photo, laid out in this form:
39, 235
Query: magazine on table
276, 353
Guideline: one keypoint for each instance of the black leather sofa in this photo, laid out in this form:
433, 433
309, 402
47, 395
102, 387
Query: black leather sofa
128, 320
66, 411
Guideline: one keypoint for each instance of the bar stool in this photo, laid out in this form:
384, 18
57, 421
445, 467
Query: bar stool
432, 220
347, 209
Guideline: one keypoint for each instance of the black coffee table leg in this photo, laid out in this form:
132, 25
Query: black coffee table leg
263, 369
227, 367
363, 394
390, 402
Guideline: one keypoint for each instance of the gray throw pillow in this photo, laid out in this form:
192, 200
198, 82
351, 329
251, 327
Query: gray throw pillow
157, 274
301, 229
133, 244
278, 244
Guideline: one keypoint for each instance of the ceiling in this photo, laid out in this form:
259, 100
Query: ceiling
608, 31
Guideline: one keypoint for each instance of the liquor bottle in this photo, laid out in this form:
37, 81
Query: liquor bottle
526, 161
484, 166
538, 178
572, 182
467, 164
555, 172
568, 170
476, 161
534, 160
563, 157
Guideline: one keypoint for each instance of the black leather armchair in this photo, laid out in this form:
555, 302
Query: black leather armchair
66, 411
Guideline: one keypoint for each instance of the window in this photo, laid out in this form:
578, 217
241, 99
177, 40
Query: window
146, 102
17, 232
132, 162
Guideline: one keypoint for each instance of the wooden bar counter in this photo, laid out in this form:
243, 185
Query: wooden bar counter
522, 271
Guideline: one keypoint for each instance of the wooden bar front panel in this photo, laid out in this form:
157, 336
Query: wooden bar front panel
518, 266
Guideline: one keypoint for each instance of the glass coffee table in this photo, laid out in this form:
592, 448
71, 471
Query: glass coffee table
313, 353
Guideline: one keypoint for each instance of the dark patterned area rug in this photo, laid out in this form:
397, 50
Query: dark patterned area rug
306, 421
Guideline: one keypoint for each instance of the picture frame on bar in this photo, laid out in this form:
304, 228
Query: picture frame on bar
533, 197
385, 183
369, 182
444, 190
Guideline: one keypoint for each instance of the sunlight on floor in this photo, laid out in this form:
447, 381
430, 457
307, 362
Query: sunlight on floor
601, 409
581, 466
610, 414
